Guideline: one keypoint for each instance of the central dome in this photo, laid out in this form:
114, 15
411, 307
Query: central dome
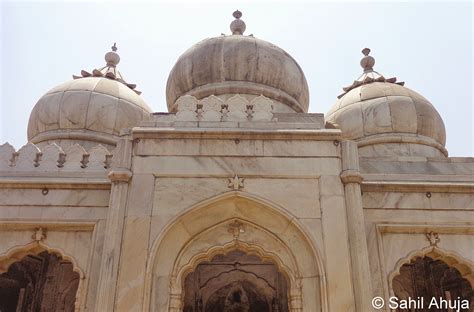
239, 64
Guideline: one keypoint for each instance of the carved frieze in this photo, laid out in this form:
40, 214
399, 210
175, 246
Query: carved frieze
213, 108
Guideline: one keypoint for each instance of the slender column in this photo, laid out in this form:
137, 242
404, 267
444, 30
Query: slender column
119, 176
296, 301
176, 297
352, 178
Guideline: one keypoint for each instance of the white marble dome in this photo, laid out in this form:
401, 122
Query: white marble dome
93, 108
386, 118
238, 64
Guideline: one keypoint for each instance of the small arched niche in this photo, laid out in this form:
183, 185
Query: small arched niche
38, 281
433, 274
236, 281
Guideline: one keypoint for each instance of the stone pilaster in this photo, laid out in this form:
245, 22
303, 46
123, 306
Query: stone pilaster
119, 176
352, 178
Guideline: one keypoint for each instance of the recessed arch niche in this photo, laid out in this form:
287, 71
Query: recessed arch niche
206, 230
433, 273
236, 281
37, 277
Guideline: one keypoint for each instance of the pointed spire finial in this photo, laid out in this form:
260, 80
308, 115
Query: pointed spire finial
237, 14
111, 57
110, 70
367, 61
237, 26
369, 75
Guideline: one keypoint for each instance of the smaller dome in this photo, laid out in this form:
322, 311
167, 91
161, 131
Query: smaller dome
386, 118
94, 107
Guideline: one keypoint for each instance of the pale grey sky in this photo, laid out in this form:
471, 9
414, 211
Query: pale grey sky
429, 45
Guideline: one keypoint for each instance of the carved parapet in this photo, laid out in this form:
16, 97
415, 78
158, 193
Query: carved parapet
187, 108
54, 158
237, 108
262, 108
7, 154
213, 108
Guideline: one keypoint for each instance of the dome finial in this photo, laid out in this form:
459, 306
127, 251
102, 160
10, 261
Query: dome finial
111, 57
369, 75
237, 26
367, 61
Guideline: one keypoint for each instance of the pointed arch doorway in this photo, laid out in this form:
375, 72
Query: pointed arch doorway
236, 282
220, 225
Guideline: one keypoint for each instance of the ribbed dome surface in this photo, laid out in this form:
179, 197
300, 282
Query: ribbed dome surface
380, 107
91, 108
238, 64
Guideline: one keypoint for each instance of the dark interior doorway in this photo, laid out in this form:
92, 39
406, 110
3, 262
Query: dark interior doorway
39, 283
236, 282
428, 278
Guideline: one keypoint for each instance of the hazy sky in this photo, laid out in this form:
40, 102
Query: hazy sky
429, 45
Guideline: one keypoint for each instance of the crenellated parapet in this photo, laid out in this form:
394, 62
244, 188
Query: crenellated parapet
53, 158
213, 108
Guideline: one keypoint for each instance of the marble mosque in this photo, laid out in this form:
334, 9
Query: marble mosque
237, 198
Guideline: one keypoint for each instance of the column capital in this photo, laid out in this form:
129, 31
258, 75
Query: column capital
351, 176
119, 175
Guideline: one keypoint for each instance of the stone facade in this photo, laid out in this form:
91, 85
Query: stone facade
231, 201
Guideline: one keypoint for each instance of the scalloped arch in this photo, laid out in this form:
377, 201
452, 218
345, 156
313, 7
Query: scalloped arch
231, 246
17, 253
451, 258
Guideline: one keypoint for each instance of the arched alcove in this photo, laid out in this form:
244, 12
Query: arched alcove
236, 281
433, 273
209, 229
36, 276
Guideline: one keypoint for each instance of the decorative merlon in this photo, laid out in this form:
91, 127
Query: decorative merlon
213, 108
236, 183
53, 158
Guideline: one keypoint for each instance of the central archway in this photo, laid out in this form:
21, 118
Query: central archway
209, 229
